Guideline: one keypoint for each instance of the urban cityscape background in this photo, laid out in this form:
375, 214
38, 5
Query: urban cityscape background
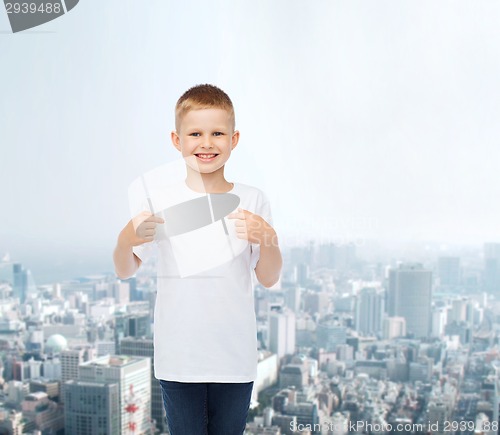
373, 129
346, 345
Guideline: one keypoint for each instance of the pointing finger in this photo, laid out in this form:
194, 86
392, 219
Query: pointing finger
236, 215
156, 219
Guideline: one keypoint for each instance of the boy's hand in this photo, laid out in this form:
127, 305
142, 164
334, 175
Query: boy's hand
252, 227
141, 229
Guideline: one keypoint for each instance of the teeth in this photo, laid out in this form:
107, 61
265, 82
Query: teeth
207, 156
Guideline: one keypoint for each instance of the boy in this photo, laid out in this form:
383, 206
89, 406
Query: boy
205, 336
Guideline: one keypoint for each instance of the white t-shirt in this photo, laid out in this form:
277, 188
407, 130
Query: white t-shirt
204, 323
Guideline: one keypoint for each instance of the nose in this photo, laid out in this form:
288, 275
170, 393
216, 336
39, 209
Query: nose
207, 142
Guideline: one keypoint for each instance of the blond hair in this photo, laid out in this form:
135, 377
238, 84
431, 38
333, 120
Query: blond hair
203, 97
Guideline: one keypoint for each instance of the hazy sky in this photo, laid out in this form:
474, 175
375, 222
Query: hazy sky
358, 119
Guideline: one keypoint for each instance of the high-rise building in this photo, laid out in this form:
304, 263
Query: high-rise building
459, 309
35, 339
20, 287
105, 347
35, 368
409, 296
133, 376
70, 360
330, 334
135, 325
438, 414
135, 293
144, 347
491, 275
449, 272
282, 332
369, 310
120, 291
293, 298
92, 408
302, 274
317, 302
439, 320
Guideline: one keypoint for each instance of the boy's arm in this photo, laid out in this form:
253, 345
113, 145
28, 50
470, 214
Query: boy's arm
268, 268
255, 229
125, 261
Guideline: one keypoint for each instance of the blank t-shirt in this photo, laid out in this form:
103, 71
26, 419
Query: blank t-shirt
204, 323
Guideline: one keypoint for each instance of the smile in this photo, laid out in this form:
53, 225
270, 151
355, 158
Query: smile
206, 157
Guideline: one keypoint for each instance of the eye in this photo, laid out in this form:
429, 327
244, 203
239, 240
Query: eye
194, 134
218, 133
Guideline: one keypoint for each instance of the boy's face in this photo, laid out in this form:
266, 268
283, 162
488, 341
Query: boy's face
206, 139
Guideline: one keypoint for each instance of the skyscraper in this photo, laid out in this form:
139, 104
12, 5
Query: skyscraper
135, 325
120, 291
133, 376
70, 360
144, 347
282, 332
369, 310
302, 274
20, 287
330, 333
135, 294
491, 275
293, 298
409, 296
449, 273
92, 408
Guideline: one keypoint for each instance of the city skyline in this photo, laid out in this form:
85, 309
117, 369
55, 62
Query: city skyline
372, 129
336, 323
60, 266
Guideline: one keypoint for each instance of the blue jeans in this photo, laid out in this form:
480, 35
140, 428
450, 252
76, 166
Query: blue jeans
206, 408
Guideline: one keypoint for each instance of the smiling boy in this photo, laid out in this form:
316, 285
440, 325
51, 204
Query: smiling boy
205, 337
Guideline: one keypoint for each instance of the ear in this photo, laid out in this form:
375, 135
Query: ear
235, 139
175, 140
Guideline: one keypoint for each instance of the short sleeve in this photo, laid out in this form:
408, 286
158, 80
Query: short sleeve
264, 211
